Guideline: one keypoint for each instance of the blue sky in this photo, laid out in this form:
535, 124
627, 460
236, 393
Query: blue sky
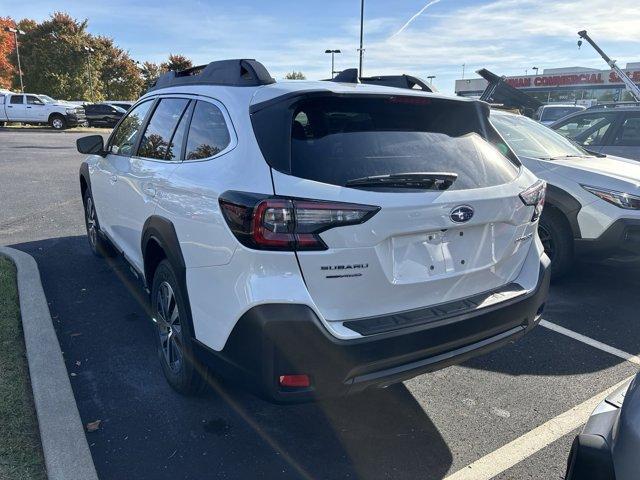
506, 36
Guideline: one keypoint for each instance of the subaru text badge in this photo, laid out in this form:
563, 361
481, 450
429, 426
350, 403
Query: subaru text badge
461, 214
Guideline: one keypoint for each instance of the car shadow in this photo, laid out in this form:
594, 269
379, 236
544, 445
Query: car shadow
597, 299
149, 431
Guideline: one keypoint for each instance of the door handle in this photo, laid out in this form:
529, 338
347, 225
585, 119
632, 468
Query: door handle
149, 190
113, 179
28, 107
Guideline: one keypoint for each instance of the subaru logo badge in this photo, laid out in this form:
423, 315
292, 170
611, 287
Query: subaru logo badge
461, 214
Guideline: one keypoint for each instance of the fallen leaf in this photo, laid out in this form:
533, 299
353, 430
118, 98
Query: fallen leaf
76, 334
78, 363
93, 426
73, 374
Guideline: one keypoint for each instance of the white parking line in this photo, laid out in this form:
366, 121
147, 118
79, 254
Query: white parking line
523, 447
590, 341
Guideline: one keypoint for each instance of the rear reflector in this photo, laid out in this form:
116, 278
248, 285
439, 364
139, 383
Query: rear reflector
295, 381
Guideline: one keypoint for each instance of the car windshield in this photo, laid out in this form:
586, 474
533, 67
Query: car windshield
530, 139
46, 98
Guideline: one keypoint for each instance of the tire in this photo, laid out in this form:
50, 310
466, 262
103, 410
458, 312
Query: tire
174, 337
58, 122
99, 246
557, 239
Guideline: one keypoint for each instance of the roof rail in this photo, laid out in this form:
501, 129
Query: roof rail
350, 75
236, 73
614, 105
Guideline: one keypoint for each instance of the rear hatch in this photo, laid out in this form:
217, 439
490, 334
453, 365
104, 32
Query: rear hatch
450, 222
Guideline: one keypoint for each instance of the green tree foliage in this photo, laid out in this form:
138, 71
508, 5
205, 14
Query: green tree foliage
295, 76
55, 62
176, 62
150, 72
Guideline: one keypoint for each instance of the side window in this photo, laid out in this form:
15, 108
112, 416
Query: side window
175, 147
33, 100
208, 133
16, 100
629, 133
156, 141
125, 137
585, 124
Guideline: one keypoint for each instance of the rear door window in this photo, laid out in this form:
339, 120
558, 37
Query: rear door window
338, 139
156, 141
208, 133
628, 134
593, 125
16, 100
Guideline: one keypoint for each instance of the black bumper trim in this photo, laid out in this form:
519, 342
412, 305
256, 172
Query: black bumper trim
410, 318
281, 339
621, 238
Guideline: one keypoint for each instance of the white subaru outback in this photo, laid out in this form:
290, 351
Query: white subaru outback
316, 238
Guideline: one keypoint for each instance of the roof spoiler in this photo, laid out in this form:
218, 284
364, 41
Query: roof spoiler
236, 73
500, 92
350, 75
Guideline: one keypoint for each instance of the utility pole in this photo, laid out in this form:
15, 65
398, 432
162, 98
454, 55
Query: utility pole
89, 51
536, 69
463, 71
361, 50
430, 78
17, 32
332, 52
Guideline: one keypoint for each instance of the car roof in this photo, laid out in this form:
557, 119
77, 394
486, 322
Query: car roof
563, 105
262, 93
620, 110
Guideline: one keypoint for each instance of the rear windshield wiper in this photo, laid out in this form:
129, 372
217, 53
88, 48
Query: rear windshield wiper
418, 180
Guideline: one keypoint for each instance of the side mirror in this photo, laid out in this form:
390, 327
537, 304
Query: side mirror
91, 145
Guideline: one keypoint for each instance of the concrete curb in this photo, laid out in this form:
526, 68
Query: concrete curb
66, 452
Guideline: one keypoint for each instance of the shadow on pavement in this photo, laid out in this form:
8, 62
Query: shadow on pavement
150, 432
596, 299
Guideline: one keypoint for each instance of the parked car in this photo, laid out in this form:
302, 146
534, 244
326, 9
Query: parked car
31, 109
547, 114
124, 104
316, 238
103, 114
613, 130
608, 446
593, 201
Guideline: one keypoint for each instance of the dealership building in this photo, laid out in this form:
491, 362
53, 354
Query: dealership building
564, 85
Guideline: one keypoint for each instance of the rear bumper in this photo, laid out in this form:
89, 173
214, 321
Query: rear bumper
285, 339
621, 238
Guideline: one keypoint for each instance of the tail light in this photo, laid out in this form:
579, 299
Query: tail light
534, 196
281, 223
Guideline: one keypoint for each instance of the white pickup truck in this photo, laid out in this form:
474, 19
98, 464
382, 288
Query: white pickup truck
37, 109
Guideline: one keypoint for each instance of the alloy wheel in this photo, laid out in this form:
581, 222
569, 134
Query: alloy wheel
57, 123
92, 227
169, 327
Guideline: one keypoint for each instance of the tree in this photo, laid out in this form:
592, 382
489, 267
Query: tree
295, 76
149, 72
117, 72
177, 63
54, 60
7, 46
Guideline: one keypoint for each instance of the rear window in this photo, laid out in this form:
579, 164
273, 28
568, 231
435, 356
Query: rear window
556, 113
334, 139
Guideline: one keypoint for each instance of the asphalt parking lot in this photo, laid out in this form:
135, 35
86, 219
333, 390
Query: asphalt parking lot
429, 427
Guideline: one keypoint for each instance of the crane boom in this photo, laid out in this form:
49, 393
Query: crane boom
631, 86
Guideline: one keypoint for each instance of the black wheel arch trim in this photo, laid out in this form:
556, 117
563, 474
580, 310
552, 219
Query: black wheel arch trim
567, 204
84, 175
161, 230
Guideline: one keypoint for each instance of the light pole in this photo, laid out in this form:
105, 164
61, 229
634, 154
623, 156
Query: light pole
463, 65
17, 32
361, 50
332, 52
89, 51
430, 78
536, 69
